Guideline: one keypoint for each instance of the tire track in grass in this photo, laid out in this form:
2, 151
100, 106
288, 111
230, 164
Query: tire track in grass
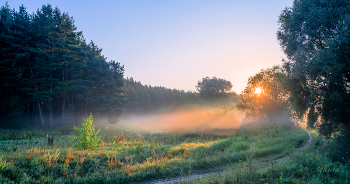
196, 176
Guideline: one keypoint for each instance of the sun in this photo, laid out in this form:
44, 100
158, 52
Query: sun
258, 91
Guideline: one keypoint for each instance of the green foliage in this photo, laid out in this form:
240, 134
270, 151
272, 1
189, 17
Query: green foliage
271, 102
3, 163
47, 65
134, 159
298, 168
212, 87
315, 37
146, 98
88, 138
183, 99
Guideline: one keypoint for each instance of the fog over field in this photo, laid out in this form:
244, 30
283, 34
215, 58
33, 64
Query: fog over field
199, 120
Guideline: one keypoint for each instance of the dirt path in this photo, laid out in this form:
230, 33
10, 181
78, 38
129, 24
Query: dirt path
307, 144
195, 176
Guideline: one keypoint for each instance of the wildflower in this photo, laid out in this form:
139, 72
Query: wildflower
82, 160
66, 162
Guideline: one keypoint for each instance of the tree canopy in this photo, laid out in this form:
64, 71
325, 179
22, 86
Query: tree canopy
315, 36
49, 70
211, 87
271, 102
147, 98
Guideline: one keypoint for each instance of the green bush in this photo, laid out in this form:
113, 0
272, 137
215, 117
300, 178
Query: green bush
88, 138
3, 163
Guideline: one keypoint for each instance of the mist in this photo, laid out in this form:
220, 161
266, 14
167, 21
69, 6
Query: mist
195, 120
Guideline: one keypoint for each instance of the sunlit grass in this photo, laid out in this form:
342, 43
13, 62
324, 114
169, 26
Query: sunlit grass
297, 168
126, 156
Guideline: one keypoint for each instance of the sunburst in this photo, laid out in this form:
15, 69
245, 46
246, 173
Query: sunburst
258, 91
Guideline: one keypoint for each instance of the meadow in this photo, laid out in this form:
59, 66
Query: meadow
312, 165
125, 155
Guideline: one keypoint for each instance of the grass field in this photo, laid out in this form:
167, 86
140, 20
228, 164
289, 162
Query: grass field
129, 156
311, 165
299, 168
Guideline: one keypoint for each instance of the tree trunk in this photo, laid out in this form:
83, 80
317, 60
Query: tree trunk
35, 115
41, 115
62, 115
76, 118
50, 112
76, 114
85, 109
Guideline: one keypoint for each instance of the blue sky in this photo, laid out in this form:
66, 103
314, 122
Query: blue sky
176, 43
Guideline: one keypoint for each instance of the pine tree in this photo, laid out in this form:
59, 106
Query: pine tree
46, 64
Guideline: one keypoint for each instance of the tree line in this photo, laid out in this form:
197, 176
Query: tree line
50, 73
47, 68
149, 99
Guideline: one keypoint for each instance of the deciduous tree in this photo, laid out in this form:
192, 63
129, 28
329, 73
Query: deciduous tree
315, 36
211, 87
271, 101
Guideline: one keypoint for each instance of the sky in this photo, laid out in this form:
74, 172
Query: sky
177, 43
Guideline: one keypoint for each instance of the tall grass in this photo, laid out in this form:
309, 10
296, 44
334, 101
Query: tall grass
125, 156
297, 168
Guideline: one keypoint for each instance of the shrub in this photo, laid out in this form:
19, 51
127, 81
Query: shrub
88, 138
3, 163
